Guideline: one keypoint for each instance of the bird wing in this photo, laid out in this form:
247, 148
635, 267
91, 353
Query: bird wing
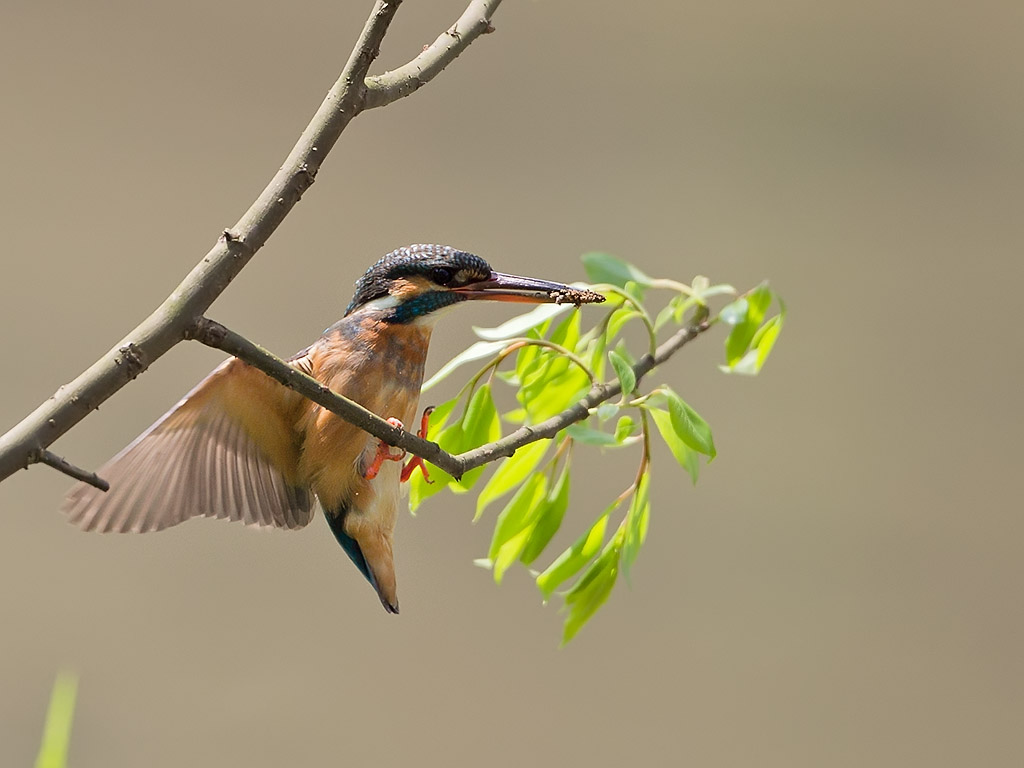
227, 450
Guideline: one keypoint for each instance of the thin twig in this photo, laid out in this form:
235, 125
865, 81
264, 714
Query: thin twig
168, 325
50, 459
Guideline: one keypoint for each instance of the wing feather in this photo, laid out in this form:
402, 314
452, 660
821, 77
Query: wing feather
225, 451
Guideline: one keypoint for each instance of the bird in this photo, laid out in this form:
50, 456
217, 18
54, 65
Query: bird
243, 447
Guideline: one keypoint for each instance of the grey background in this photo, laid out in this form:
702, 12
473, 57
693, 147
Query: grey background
842, 588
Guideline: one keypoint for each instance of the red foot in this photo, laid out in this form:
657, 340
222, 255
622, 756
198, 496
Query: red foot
417, 461
384, 454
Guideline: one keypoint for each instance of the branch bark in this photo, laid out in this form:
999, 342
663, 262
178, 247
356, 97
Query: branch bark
475, 21
215, 335
26, 443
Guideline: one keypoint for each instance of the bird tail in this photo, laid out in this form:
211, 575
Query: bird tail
375, 563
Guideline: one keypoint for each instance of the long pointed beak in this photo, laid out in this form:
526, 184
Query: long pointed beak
502, 287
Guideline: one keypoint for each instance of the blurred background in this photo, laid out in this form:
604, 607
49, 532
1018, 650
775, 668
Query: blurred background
842, 588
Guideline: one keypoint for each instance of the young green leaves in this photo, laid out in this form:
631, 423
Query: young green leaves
546, 363
752, 337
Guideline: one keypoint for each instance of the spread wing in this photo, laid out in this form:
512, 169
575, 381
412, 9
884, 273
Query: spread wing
227, 450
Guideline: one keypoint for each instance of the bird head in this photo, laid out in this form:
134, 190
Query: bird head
412, 283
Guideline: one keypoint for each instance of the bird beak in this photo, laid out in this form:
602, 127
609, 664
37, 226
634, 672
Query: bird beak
502, 287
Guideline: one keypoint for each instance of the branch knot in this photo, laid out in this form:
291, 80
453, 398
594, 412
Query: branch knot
132, 358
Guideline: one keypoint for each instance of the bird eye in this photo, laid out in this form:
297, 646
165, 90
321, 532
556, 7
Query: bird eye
442, 275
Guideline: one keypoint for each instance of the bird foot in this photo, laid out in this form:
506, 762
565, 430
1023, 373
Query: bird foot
417, 461
384, 454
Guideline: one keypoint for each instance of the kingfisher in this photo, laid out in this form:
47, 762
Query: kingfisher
241, 446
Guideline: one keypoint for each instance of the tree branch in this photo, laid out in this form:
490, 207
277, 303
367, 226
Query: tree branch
51, 459
214, 334
409, 78
26, 442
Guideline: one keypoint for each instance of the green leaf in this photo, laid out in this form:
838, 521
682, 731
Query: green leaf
575, 557
477, 351
751, 341
591, 591
667, 313
605, 268
552, 394
567, 333
635, 290
480, 413
589, 436
738, 341
480, 425
613, 300
606, 410
764, 339
511, 473
528, 358
625, 428
689, 425
515, 524
622, 349
53, 752
549, 519
619, 318
594, 356
735, 312
624, 371
686, 456
537, 369
636, 522
518, 326
761, 345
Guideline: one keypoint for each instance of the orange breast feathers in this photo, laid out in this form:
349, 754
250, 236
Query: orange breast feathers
380, 366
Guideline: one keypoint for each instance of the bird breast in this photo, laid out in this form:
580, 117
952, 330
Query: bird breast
380, 366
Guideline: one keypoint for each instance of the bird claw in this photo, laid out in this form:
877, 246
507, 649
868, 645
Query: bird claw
417, 461
408, 469
384, 454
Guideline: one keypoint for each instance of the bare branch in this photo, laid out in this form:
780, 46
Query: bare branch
214, 334
61, 464
24, 443
381, 90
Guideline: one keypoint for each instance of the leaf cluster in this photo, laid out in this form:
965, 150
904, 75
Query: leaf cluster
549, 361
